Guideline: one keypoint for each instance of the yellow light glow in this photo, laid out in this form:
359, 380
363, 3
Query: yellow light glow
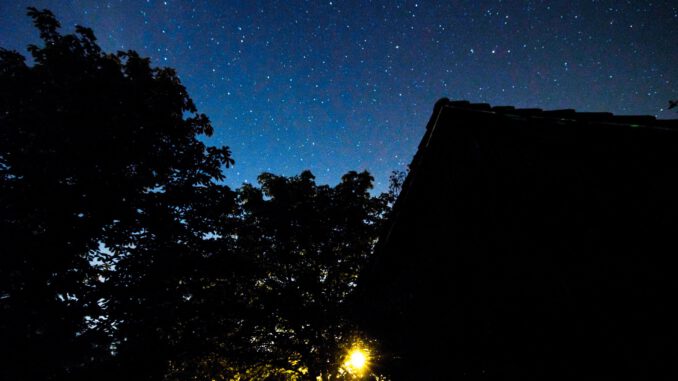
357, 361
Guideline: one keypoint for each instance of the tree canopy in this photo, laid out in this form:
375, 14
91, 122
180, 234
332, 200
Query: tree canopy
94, 149
124, 254
311, 242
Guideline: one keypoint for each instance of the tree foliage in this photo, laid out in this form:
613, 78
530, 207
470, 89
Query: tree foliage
86, 141
125, 257
310, 241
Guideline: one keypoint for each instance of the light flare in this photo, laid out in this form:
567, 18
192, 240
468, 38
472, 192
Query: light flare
357, 361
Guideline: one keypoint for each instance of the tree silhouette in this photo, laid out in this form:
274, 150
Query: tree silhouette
311, 242
306, 244
125, 257
95, 150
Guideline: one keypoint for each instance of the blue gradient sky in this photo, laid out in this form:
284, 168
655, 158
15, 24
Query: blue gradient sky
338, 85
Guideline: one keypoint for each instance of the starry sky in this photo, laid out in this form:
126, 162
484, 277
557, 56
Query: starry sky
338, 85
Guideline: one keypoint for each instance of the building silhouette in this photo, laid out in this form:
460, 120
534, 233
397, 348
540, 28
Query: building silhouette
530, 243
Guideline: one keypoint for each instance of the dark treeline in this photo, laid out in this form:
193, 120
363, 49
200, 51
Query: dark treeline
123, 255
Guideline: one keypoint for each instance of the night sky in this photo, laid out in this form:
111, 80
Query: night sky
338, 85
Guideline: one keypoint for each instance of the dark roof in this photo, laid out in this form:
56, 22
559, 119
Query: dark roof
505, 206
564, 114
445, 109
